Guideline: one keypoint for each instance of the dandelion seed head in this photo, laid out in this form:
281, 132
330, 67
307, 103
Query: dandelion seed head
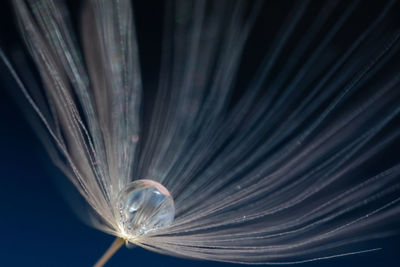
276, 167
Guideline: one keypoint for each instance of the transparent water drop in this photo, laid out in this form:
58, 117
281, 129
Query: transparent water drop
145, 206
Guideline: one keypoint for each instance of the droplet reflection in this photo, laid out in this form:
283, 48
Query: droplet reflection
145, 206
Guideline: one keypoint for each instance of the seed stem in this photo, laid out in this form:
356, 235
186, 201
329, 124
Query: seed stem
110, 252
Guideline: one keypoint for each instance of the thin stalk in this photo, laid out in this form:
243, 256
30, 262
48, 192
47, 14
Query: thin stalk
110, 252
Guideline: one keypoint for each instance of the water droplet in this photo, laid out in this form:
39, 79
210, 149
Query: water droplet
145, 206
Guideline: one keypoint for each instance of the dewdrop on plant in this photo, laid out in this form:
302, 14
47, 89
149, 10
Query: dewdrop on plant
144, 206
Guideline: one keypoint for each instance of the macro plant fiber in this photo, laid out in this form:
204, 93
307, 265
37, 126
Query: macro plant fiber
266, 139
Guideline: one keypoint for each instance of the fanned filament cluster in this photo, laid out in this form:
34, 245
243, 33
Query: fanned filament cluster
267, 130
